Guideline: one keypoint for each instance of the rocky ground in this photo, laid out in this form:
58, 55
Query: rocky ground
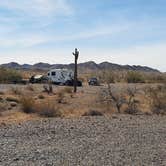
90, 141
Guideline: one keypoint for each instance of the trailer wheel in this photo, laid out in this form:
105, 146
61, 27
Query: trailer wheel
69, 83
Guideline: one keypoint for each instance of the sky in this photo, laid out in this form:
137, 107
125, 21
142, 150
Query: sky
119, 31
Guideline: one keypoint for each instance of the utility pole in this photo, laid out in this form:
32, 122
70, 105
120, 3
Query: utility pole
76, 54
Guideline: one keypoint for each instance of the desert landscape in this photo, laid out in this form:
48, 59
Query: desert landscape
118, 122
82, 83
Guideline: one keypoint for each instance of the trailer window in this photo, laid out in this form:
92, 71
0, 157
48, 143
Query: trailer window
48, 74
53, 73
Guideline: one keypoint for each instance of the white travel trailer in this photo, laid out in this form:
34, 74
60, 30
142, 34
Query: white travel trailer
61, 76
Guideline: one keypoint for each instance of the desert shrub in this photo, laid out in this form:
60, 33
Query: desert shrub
48, 109
155, 77
134, 77
132, 103
48, 88
107, 77
12, 99
61, 94
28, 104
41, 96
92, 113
44, 109
60, 97
117, 100
157, 98
9, 76
112, 99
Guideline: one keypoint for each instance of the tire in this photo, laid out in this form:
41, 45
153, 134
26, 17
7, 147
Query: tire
69, 83
79, 83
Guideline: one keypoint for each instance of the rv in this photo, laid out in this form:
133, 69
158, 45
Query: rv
62, 77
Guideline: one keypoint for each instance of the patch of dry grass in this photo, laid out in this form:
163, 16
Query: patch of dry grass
16, 117
28, 104
48, 108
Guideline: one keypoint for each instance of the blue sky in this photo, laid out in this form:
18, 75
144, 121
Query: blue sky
119, 31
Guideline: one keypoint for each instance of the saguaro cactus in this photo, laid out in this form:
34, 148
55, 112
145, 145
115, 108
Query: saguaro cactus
76, 54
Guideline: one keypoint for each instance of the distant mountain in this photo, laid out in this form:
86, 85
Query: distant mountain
82, 66
11, 65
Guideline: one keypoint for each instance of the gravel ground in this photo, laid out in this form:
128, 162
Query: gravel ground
118, 141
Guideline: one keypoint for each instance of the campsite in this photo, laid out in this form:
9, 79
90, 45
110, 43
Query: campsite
82, 83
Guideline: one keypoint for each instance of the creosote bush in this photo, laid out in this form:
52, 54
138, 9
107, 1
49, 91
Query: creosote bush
9, 76
135, 77
117, 100
107, 77
132, 103
157, 98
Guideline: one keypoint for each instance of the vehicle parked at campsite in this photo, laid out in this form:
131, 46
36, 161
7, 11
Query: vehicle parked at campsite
38, 79
93, 81
62, 77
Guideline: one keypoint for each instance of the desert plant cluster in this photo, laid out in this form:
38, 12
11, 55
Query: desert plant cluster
127, 76
157, 98
119, 92
131, 99
9, 76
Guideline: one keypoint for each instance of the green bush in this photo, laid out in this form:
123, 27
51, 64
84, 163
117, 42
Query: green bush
135, 77
9, 76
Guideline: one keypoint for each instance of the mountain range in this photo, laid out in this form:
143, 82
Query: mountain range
90, 65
